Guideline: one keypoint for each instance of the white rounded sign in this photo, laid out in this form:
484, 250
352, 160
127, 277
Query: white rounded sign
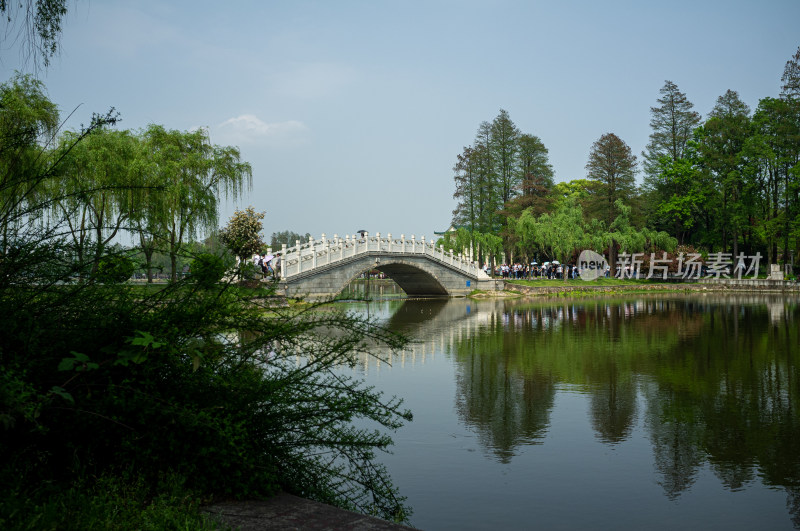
591, 265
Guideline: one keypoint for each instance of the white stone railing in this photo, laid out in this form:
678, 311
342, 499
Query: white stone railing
305, 257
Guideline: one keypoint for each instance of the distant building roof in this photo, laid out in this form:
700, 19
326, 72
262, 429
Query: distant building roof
452, 228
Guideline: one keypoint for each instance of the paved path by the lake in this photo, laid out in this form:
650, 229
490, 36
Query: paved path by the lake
287, 512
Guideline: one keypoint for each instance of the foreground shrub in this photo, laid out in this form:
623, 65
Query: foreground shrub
200, 379
114, 269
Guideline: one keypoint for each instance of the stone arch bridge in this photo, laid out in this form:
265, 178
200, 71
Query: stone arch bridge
322, 268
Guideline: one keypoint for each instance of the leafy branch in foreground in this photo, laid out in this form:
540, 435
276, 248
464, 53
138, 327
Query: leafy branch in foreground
198, 379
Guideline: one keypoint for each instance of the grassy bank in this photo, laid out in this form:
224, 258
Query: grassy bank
579, 283
600, 287
124, 502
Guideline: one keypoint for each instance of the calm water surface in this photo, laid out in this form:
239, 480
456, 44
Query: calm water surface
649, 413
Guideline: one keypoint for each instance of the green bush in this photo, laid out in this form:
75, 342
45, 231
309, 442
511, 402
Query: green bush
207, 269
115, 269
199, 378
201, 382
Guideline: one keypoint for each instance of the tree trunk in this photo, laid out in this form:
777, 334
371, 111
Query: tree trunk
612, 258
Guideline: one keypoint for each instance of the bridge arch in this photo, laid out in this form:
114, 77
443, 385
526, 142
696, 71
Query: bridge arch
414, 279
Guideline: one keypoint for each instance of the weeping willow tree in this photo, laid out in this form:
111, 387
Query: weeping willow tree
190, 174
558, 235
623, 236
98, 190
28, 123
483, 245
555, 235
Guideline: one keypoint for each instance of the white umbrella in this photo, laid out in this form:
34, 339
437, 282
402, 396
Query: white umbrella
546, 264
269, 257
556, 262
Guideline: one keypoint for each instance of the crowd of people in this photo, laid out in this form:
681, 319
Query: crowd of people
269, 264
549, 270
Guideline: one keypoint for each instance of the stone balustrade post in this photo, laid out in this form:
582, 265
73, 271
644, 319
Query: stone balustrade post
402, 243
423, 244
413, 244
282, 261
312, 245
389, 237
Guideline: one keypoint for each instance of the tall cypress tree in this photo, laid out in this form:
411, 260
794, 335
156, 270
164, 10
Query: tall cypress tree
720, 143
504, 136
790, 80
673, 122
612, 167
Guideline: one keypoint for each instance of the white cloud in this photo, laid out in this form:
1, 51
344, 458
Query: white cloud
250, 129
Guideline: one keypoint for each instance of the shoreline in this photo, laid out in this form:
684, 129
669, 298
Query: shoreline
588, 289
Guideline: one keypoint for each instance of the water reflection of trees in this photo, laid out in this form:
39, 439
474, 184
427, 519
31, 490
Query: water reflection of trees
613, 406
533, 348
504, 408
718, 381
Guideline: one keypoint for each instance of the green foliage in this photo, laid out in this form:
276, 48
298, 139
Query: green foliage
563, 233
462, 240
200, 379
554, 236
729, 183
242, 234
203, 382
611, 170
576, 190
790, 79
208, 269
37, 24
683, 196
125, 502
502, 173
99, 188
28, 120
673, 122
191, 174
115, 268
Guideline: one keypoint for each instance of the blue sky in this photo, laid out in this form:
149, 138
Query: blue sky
352, 113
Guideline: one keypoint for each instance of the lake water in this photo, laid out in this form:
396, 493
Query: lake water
654, 412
